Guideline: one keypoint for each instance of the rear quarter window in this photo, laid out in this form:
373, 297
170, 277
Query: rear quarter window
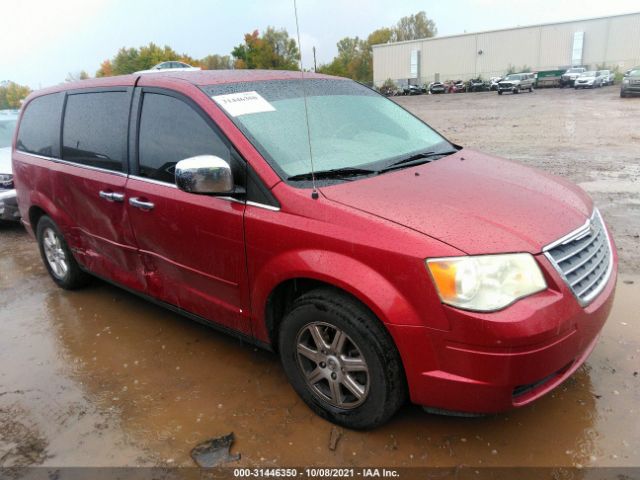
95, 129
39, 130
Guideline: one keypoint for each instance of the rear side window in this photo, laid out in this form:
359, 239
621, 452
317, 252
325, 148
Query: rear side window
170, 131
95, 129
40, 126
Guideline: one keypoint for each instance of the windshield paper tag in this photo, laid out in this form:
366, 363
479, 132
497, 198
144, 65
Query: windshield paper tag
243, 103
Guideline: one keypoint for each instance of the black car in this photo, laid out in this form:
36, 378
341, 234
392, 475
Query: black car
630, 83
412, 90
476, 85
437, 87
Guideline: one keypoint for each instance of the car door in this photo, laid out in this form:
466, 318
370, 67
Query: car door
192, 246
89, 183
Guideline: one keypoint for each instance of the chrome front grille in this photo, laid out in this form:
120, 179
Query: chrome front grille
584, 258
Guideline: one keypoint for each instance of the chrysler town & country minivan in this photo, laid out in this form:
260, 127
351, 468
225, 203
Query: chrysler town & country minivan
316, 218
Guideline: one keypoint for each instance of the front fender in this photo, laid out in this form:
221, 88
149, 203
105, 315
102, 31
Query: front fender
367, 285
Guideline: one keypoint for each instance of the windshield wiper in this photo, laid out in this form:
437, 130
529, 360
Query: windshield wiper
333, 173
416, 159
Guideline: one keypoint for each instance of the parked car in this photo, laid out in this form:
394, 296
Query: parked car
589, 79
389, 90
411, 90
457, 86
607, 77
437, 87
198, 192
493, 83
570, 76
476, 85
516, 83
8, 205
630, 84
170, 66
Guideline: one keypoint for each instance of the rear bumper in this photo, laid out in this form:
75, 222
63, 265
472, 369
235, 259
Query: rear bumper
9, 206
489, 363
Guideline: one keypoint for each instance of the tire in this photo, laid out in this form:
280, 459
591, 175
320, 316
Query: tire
57, 258
313, 324
499, 92
516, 90
531, 89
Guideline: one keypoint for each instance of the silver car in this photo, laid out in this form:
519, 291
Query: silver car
172, 66
569, 77
607, 77
516, 83
590, 79
8, 203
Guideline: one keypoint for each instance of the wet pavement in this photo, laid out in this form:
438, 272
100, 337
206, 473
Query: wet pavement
98, 377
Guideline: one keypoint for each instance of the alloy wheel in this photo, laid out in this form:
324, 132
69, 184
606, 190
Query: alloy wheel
333, 366
55, 254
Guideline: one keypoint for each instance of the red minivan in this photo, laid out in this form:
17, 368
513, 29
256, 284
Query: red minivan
316, 218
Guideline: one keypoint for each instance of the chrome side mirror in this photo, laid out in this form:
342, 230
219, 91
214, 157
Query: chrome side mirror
204, 174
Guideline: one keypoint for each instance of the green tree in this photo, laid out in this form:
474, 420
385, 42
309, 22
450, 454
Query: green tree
351, 60
130, 60
355, 55
105, 70
271, 50
73, 77
413, 27
12, 94
216, 62
381, 35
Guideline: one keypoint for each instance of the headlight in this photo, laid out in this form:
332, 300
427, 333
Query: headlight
486, 282
625, 81
6, 180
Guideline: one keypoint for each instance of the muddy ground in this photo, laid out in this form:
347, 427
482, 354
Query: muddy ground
99, 377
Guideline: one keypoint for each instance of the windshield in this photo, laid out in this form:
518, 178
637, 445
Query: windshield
350, 125
588, 74
514, 77
574, 70
634, 73
7, 127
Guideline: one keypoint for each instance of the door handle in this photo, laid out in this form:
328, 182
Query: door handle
111, 196
142, 205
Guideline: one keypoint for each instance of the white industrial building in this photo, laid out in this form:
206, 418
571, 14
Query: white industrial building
612, 41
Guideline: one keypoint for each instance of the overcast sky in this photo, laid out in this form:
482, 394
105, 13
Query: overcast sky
41, 41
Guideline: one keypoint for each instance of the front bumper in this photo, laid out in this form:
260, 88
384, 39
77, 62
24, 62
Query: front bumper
630, 89
9, 205
564, 81
487, 363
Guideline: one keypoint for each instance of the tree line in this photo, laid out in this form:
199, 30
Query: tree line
270, 49
12, 94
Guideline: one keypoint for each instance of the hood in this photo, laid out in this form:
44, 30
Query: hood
5, 160
474, 202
